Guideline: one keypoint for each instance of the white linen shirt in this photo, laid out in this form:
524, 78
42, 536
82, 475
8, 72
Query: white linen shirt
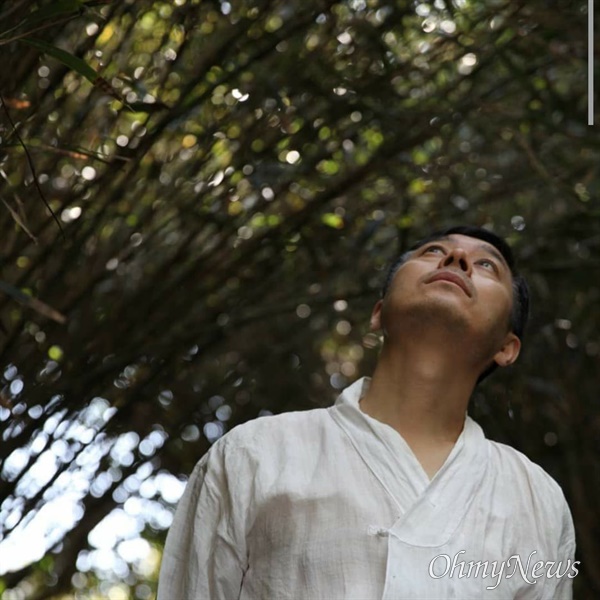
332, 504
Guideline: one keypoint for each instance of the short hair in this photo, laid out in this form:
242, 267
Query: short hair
520, 310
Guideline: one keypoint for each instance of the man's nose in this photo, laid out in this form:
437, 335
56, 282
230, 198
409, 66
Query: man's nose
458, 259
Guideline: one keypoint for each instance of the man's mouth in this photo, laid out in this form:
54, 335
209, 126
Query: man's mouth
452, 278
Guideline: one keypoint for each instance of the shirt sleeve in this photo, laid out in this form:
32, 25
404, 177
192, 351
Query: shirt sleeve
562, 587
205, 552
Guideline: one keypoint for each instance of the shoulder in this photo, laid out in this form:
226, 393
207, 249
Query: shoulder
272, 435
284, 426
250, 458
526, 478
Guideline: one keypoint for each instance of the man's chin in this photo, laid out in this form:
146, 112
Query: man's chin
431, 316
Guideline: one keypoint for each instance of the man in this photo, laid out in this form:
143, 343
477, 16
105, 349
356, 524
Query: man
394, 492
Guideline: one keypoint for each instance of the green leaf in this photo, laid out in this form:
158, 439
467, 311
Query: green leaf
55, 353
68, 59
333, 220
417, 186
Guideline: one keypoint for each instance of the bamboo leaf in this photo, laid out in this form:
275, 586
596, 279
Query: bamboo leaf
68, 59
76, 64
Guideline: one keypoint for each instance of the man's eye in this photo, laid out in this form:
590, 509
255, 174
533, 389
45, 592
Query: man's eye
488, 264
434, 249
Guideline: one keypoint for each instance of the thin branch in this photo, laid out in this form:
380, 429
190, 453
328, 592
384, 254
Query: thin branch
19, 221
31, 165
20, 36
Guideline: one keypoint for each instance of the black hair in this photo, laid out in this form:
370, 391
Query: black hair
520, 310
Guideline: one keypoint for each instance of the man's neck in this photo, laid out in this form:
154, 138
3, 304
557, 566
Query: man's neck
423, 394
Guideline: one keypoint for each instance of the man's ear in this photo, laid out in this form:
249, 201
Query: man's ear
376, 316
509, 351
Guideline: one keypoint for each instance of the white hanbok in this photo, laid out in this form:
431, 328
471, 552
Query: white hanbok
332, 504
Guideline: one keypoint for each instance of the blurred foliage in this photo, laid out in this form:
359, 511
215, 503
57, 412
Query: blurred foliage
231, 186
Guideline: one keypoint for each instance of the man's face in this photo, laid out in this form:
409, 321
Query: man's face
457, 282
